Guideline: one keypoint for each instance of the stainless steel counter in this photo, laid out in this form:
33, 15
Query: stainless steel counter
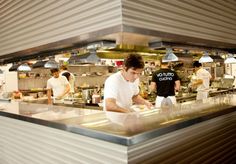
192, 96
120, 128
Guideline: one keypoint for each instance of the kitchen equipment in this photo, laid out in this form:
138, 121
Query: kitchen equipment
96, 98
73, 100
87, 94
227, 82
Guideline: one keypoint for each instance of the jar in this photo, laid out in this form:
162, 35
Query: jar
96, 99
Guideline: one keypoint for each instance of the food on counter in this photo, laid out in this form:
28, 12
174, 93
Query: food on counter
22, 75
16, 95
84, 85
36, 89
139, 107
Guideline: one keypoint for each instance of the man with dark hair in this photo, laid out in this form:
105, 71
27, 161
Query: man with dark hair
122, 88
202, 81
196, 64
165, 82
58, 86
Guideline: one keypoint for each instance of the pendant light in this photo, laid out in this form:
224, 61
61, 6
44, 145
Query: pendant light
24, 68
205, 58
169, 56
51, 63
230, 59
39, 63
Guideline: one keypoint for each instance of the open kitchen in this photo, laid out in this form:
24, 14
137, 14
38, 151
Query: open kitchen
91, 41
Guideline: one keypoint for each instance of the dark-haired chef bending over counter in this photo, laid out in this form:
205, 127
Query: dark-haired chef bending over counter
122, 88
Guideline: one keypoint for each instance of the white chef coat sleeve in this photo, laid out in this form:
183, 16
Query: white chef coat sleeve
49, 85
110, 89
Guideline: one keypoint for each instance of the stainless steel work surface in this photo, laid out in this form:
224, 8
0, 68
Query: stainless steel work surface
121, 128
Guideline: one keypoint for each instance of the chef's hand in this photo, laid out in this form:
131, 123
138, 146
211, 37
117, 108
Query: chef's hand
148, 104
191, 85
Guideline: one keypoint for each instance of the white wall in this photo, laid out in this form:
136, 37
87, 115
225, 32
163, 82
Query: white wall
10, 79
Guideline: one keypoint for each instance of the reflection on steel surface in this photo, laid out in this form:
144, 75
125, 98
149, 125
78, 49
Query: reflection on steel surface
95, 124
121, 128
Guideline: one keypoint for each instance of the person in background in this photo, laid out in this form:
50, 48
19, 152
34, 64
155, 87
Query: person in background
202, 81
68, 77
165, 82
71, 78
122, 88
58, 86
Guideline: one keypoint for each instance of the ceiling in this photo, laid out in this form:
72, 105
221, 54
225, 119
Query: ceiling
131, 38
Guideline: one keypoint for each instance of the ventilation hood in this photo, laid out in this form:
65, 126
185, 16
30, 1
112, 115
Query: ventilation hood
120, 34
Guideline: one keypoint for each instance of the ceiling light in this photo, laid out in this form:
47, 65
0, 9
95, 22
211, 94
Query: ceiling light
230, 59
51, 63
24, 67
169, 56
205, 58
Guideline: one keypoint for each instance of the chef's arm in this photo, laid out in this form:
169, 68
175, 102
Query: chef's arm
49, 94
137, 99
112, 106
67, 90
197, 82
177, 85
153, 86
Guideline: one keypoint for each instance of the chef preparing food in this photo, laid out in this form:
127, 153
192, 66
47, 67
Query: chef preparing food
122, 88
58, 86
202, 81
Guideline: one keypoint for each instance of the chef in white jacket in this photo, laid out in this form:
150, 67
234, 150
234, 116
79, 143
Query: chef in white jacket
202, 82
58, 86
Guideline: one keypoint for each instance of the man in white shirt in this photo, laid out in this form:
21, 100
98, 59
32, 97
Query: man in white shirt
122, 88
202, 81
58, 86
